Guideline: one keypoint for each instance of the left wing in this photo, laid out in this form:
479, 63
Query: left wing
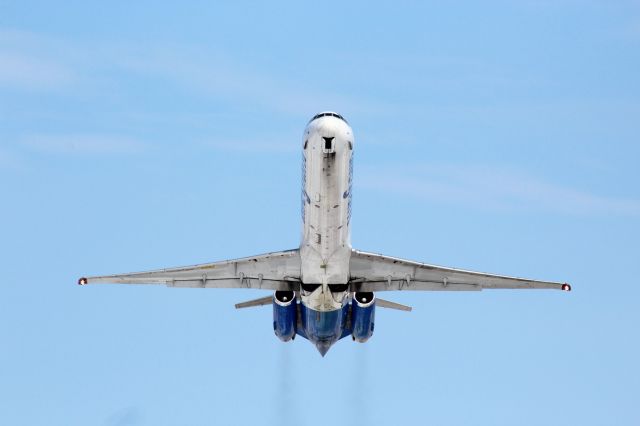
270, 271
375, 272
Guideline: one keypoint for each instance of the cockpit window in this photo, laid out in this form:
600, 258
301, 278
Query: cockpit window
328, 114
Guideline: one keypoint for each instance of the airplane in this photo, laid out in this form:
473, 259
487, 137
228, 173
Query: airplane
324, 290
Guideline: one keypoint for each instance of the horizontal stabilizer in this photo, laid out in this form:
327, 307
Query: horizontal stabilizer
392, 305
256, 302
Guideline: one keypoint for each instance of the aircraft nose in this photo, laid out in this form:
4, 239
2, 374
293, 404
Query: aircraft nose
323, 346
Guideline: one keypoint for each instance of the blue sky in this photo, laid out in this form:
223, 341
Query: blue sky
497, 136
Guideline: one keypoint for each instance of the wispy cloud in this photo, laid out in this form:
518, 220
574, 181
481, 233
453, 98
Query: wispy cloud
216, 73
11, 161
30, 72
492, 188
91, 144
632, 31
262, 146
128, 416
37, 62
30, 62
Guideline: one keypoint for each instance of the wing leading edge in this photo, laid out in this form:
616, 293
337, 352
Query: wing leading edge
270, 271
375, 272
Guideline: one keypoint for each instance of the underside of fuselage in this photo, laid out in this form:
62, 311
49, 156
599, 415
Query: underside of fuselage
323, 329
325, 248
324, 307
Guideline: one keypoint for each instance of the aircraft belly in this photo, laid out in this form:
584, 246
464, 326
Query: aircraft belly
326, 249
323, 300
323, 329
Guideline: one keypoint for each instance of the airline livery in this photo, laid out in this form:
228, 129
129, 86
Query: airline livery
325, 290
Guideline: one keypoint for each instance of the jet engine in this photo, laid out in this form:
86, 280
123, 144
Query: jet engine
285, 315
363, 310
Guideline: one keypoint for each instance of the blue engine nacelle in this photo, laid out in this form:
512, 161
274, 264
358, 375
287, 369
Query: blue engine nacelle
285, 312
363, 312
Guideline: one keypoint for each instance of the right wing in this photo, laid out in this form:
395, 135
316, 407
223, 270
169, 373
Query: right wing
270, 271
375, 272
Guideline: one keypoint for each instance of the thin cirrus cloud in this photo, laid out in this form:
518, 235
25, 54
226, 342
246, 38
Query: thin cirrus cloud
31, 62
36, 62
248, 146
11, 161
31, 72
633, 30
218, 74
86, 144
491, 188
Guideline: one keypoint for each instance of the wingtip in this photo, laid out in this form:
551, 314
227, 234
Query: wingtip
83, 281
566, 287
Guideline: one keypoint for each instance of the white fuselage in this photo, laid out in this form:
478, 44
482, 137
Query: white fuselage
325, 249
